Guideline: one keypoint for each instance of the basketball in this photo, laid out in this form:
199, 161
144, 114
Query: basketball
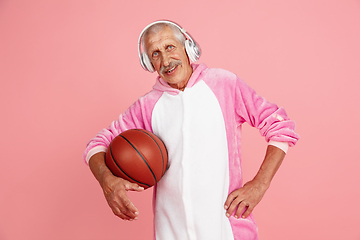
138, 156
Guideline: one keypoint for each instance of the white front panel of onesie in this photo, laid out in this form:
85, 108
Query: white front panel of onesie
191, 195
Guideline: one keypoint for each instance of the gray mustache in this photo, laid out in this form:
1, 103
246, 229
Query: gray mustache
172, 64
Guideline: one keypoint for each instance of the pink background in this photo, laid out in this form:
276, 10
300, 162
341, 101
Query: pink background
70, 67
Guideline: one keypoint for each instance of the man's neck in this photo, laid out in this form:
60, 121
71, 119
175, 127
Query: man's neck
182, 85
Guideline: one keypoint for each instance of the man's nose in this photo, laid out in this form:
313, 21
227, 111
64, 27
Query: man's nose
166, 59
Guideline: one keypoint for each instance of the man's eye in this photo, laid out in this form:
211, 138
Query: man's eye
170, 47
155, 54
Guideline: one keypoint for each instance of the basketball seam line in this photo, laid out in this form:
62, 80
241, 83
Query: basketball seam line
162, 156
141, 157
112, 157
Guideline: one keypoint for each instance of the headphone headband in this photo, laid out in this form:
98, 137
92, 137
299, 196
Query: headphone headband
192, 49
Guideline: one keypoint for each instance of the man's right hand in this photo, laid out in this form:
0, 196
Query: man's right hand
115, 188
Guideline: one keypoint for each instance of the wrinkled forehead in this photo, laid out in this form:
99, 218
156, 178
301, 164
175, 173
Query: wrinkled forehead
153, 38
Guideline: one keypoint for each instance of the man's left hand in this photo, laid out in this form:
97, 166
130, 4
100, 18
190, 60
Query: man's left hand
245, 199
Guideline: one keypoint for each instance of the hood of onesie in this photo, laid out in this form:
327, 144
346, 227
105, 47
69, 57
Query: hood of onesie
163, 86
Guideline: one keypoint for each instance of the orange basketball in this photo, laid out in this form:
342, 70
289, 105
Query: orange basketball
138, 156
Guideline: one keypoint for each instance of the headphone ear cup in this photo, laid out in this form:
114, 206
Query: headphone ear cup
192, 50
146, 63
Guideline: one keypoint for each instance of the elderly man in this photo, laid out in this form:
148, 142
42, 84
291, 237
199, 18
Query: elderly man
198, 112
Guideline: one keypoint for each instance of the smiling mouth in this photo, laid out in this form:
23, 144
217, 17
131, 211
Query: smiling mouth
171, 69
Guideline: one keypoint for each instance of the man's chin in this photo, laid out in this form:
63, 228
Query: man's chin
169, 79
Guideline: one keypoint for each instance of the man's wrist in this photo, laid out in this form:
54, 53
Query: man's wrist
282, 145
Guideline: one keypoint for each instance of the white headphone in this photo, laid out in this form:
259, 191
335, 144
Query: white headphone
193, 50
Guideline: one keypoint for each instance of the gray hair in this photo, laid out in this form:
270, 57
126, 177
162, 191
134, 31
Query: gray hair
160, 26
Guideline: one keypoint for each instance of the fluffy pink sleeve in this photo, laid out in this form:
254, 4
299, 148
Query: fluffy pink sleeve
272, 121
138, 115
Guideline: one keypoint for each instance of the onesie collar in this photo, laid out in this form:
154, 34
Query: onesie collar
163, 86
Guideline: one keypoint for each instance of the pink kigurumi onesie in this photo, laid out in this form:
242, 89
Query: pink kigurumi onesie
200, 127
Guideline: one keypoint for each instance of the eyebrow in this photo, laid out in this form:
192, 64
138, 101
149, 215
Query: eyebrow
170, 42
